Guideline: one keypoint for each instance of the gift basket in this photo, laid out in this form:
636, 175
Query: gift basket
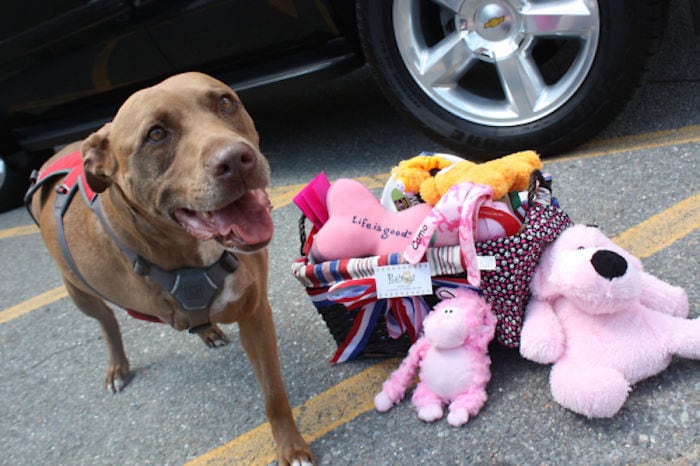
365, 322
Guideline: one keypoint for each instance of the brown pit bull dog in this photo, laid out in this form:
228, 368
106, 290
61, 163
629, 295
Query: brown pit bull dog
173, 224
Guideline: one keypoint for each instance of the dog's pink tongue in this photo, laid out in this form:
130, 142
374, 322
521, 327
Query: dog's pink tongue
248, 219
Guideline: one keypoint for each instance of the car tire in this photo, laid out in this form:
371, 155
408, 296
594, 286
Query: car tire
575, 80
14, 182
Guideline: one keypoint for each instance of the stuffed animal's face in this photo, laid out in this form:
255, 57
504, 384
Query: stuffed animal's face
585, 267
455, 320
446, 327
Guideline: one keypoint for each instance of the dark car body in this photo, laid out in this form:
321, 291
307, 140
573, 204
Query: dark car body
65, 65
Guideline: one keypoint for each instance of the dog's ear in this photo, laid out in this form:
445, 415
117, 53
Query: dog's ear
98, 160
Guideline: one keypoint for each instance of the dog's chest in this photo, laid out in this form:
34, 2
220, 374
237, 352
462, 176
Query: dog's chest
232, 291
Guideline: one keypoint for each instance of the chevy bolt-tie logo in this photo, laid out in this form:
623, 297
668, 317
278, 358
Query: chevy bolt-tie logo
494, 22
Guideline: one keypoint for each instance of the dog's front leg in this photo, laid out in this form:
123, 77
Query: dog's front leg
257, 333
118, 369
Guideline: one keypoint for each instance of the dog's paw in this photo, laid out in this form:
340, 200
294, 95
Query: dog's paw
117, 378
213, 336
301, 456
302, 463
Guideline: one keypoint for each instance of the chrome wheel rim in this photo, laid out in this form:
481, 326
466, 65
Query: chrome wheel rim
498, 62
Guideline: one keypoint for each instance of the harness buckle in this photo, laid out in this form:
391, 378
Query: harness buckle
229, 262
193, 289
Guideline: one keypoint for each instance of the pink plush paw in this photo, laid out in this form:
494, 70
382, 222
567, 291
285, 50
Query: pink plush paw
593, 392
458, 417
543, 349
430, 413
382, 402
542, 337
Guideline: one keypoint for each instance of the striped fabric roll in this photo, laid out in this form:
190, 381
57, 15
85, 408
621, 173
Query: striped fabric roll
443, 261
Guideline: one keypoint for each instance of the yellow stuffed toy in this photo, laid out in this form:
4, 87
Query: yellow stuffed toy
426, 175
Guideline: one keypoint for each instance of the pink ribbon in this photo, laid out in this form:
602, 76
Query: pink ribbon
453, 218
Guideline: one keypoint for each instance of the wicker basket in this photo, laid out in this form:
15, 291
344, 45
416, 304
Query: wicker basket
506, 287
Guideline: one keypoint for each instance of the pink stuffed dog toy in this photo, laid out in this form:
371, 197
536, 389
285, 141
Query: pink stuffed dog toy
602, 322
453, 360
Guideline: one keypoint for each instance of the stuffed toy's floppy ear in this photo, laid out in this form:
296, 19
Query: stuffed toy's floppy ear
98, 160
663, 297
539, 285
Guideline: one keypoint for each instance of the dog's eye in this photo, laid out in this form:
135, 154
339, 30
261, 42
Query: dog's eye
156, 134
227, 104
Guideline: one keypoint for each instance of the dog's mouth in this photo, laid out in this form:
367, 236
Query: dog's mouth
245, 224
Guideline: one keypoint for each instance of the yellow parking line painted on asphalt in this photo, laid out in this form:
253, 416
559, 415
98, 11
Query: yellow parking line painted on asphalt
635, 143
18, 231
315, 418
660, 231
33, 303
353, 397
374, 181
280, 196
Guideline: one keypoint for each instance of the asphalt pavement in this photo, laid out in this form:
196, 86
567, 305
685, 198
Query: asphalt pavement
190, 404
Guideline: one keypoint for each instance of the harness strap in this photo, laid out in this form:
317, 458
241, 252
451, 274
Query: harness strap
70, 167
193, 288
63, 199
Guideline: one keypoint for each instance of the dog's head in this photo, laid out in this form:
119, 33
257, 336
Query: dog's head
587, 268
185, 152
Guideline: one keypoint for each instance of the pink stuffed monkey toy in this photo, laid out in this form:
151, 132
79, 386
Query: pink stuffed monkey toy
602, 322
453, 360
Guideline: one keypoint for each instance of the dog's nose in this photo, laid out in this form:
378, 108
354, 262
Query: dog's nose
232, 162
609, 264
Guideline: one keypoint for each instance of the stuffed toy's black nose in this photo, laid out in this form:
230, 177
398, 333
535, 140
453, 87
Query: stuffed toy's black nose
609, 264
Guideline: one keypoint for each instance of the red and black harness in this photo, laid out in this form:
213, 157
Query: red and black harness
193, 288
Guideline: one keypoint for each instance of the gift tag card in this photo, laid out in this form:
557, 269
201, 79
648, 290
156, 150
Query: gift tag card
486, 262
394, 281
